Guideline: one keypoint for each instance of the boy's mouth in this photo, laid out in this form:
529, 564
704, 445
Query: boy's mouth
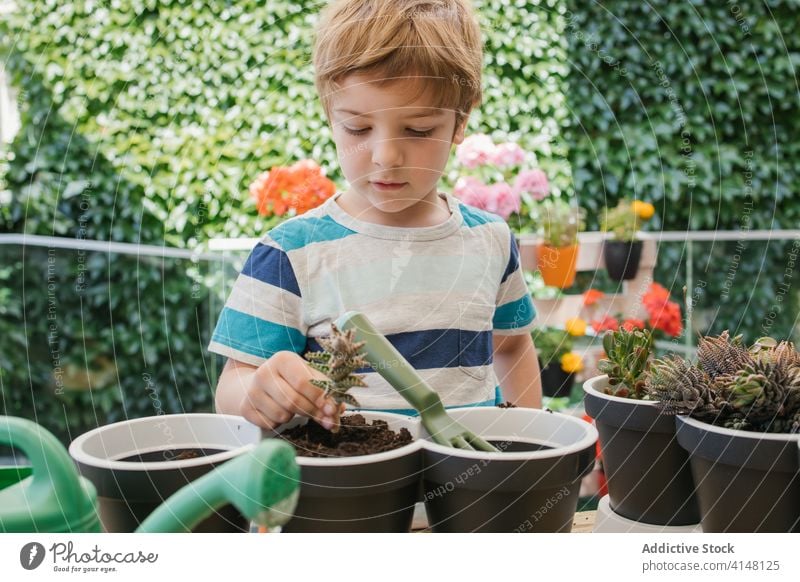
388, 185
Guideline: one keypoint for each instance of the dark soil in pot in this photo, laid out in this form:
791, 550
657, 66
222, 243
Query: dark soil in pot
352, 492
622, 259
532, 485
137, 464
649, 475
355, 437
747, 482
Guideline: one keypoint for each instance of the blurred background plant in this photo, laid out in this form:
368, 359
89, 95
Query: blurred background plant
625, 219
558, 221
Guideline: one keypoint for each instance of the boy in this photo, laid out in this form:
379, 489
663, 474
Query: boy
397, 80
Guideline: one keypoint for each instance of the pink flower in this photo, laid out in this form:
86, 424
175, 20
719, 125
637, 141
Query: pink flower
472, 191
498, 198
476, 150
507, 154
502, 200
534, 182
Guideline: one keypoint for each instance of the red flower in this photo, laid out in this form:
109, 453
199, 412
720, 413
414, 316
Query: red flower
667, 318
656, 295
607, 323
633, 323
592, 296
299, 187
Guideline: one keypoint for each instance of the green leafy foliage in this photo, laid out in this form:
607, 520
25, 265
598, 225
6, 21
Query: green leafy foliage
627, 361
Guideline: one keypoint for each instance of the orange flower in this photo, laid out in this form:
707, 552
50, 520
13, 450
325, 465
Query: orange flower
592, 296
667, 318
656, 295
298, 188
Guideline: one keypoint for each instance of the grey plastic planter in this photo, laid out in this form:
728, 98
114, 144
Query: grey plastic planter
531, 487
746, 481
649, 475
368, 493
128, 491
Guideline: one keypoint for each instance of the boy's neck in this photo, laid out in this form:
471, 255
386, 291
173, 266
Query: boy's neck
429, 211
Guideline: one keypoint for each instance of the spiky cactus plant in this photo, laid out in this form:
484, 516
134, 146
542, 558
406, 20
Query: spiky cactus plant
340, 357
626, 361
756, 388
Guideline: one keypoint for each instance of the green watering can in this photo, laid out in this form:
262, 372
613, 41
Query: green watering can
51, 497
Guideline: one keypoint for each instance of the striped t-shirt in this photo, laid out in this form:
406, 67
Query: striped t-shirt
437, 293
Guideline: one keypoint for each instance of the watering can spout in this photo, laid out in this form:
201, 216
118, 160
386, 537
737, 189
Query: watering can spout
54, 498
262, 484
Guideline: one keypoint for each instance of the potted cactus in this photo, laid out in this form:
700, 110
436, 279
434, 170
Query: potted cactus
738, 419
622, 253
649, 479
364, 476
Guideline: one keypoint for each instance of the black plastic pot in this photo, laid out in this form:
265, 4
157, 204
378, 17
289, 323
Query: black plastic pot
128, 491
531, 487
622, 259
368, 493
746, 481
555, 381
648, 473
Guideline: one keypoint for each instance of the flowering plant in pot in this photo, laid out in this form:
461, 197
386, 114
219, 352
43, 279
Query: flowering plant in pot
558, 363
623, 252
500, 178
738, 418
362, 476
286, 191
663, 319
559, 224
648, 473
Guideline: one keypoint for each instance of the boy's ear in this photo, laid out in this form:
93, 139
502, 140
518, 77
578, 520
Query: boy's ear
458, 132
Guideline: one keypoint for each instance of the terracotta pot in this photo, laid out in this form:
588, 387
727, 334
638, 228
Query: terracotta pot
557, 265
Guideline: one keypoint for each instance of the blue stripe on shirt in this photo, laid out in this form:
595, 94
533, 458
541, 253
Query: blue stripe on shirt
514, 314
513, 260
296, 233
430, 348
271, 265
475, 217
255, 336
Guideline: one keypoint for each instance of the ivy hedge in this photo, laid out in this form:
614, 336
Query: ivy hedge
146, 120
694, 107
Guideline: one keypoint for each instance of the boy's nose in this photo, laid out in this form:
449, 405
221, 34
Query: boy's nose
387, 153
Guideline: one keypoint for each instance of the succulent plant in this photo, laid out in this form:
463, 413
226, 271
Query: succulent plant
722, 355
340, 357
626, 361
755, 388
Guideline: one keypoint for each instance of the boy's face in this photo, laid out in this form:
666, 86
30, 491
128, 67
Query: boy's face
381, 138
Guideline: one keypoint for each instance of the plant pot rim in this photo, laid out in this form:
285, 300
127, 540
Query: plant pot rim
78, 452
733, 432
588, 440
410, 422
589, 388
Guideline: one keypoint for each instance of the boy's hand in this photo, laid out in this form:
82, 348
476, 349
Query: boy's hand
280, 388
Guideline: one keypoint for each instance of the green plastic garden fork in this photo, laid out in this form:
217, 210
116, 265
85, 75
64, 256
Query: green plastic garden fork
391, 364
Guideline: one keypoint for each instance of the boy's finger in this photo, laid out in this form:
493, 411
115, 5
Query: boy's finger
297, 373
294, 400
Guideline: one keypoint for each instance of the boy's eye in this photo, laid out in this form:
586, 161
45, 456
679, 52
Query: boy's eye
414, 132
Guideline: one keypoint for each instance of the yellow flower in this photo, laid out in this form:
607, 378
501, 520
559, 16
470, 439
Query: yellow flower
575, 326
643, 210
571, 362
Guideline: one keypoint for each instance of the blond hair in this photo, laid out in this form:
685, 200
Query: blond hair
437, 42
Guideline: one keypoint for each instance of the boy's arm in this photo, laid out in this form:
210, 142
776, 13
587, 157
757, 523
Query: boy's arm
517, 369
